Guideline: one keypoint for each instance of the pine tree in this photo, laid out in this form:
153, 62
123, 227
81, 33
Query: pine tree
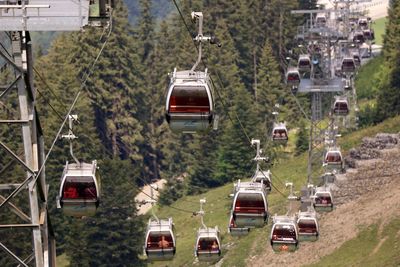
114, 236
108, 118
388, 101
302, 139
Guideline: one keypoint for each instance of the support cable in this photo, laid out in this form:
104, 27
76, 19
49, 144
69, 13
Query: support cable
152, 198
212, 81
88, 74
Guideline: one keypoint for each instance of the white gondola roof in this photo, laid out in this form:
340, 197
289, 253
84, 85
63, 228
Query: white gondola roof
189, 76
358, 33
262, 174
81, 169
292, 70
160, 225
280, 126
348, 59
208, 232
307, 215
333, 149
304, 56
362, 20
283, 219
323, 190
249, 187
341, 99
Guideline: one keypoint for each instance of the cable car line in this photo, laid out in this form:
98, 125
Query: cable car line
50, 105
227, 111
208, 243
152, 198
282, 194
279, 179
179, 209
88, 74
300, 107
184, 21
50, 89
211, 79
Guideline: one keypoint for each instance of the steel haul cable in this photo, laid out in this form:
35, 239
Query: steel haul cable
83, 85
218, 93
212, 81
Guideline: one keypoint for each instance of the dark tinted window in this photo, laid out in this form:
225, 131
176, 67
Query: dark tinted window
280, 132
348, 63
293, 76
323, 199
341, 106
207, 244
307, 224
189, 99
284, 231
253, 201
79, 188
333, 157
160, 240
304, 62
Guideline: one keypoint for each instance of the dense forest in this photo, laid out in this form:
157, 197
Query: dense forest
121, 112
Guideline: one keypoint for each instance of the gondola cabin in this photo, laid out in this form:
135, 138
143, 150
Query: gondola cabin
358, 37
293, 76
365, 51
250, 206
357, 58
284, 234
347, 84
340, 107
323, 200
348, 65
263, 177
208, 244
363, 23
234, 230
320, 20
307, 224
304, 63
160, 244
280, 133
79, 193
333, 157
190, 104
368, 34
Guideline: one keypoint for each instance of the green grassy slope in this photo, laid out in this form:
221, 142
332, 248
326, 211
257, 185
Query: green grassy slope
379, 28
364, 82
370, 248
237, 250
62, 260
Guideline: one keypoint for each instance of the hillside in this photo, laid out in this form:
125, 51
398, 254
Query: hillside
367, 195
118, 83
254, 249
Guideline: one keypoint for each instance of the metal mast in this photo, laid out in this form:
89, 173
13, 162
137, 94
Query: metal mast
323, 81
16, 60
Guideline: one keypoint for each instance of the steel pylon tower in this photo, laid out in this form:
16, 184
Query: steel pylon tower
324, 83
18, 58
23, 187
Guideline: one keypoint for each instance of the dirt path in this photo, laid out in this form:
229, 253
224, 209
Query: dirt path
147, 190
339, 226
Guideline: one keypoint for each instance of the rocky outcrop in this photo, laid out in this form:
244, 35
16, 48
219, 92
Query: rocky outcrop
370, 166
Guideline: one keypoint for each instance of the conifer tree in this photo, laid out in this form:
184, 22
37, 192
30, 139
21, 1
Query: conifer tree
114, 236
388, 101
302, 139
